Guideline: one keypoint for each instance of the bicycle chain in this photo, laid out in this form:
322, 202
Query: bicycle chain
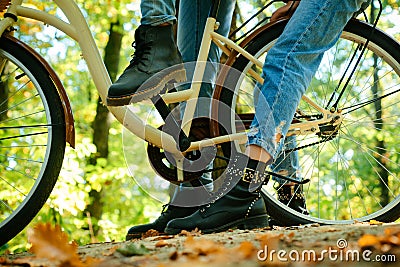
305, 146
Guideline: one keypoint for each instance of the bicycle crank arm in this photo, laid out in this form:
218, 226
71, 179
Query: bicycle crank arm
172, 127
288, 178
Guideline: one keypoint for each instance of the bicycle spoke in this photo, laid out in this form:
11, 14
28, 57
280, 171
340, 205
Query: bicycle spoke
367, 153
15, 93
22, 117
21, 159
22, 146
355, 175
370, 151
2, 179
6, 205
22, 135
356, 79
361, 105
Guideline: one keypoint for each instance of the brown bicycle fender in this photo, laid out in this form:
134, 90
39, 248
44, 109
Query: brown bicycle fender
214, 127
69, 118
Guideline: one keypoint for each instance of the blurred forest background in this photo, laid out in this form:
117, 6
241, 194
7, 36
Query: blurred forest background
102, 189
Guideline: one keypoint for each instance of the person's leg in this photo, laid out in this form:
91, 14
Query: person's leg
185, 199
157, 12
287, 163
290, 65
191, 22
282, 71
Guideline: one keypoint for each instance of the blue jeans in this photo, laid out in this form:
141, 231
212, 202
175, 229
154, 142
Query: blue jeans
291, 64
156, 12
192, 18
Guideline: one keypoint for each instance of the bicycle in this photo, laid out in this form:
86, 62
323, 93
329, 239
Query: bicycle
357, 114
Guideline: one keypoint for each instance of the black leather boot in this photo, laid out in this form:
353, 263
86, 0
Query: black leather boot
241, 207
293, 196
169, 213
155, 54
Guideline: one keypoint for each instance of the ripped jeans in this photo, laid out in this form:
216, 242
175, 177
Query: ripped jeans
289, 67
192, 19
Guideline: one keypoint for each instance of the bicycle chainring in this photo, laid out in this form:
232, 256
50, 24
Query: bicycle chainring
163, 165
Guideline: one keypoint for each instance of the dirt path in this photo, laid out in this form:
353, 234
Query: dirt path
367, 244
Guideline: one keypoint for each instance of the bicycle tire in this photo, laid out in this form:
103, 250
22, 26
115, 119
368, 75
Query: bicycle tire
32, 139
354, 32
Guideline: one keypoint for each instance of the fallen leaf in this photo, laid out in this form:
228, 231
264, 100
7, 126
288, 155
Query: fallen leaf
386, 248
4, 260
202, 246
161, 243
195, 232
375, 222
163, 237
394, 240
392, 231
150, 233
247, 250
368, 240
384, 242
110, 251
51, 243
174, 255
133, 249
270, 240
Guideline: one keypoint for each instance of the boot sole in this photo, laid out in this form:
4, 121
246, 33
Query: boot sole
157, 84
253, 222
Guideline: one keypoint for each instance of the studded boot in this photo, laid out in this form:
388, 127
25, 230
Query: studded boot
293, 196
156, 62
237, 204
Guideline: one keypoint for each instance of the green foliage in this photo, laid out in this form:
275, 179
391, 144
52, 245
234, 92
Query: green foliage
125, 203
132, 249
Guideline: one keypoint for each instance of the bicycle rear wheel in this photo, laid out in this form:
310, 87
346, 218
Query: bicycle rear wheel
32, 137
354, 168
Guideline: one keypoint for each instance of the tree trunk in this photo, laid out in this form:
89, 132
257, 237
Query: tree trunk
382, 168
101, 124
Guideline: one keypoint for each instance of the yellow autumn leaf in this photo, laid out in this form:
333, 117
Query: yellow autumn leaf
51, 243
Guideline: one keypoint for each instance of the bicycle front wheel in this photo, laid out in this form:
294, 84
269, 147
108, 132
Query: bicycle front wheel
32, 137
354, 168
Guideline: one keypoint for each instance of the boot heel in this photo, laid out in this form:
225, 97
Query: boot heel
180, 75
259, 221
172, 78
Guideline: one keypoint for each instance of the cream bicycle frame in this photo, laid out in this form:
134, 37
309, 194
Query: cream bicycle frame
77, 29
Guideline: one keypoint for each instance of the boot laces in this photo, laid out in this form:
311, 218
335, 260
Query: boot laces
141, 49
